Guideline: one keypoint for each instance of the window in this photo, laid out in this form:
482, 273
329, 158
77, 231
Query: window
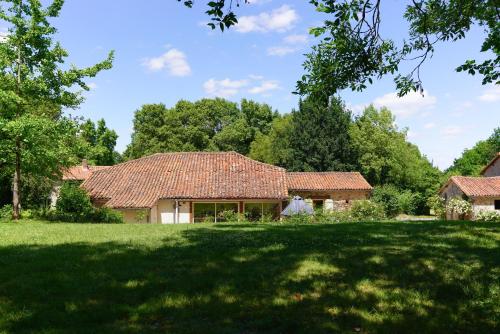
213, 212
259, 211
497, 204
318, 204
204, 212
223, 210
253, 211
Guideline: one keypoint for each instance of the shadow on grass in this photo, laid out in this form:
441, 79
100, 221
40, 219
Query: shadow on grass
238, 278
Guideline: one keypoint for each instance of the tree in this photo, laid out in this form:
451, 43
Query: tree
274, 148
353, 51
320, 140
204, 125
97, 144
385, 157
473, 160
31, 75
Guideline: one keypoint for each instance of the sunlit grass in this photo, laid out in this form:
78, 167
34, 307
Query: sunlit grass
419, 277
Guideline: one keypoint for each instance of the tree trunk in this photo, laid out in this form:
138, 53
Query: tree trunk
16, 186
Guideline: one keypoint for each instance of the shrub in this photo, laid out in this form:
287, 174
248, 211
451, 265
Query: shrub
366, 210
106, 215
228, 216
73, 200
6, 211
459, 206
488, 216
437, 204
388, 197
300, 218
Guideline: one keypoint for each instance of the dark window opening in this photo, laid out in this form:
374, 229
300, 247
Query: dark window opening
497, 204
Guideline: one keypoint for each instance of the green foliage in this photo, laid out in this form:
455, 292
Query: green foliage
320, 139
73, 199
366, 210
274, 148
388, 196
473, 160
438, 206
488, 216
353, 51
34, 87
6, 211
97, 143
204, 125
300, 218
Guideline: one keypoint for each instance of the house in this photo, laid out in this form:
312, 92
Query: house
329, 190
203, 186
483, 192
76, 174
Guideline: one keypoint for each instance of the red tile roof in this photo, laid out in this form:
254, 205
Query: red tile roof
477, 186
325, 181
80, 173
497, 156
195, 175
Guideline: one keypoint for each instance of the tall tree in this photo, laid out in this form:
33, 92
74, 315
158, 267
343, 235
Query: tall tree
274, 147
320, 140
204, 125
472, 161
31, 74
385, 156
97, 143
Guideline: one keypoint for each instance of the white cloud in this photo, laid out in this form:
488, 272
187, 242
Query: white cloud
224, 88
92, 85
280, 50
296, 39
430, 125
265, 87
452, 131
174, 61
280, 20
491, 94
256, 77
407, 105
291, 44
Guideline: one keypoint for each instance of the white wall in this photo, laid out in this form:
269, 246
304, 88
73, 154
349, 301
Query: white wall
166, 212
483, 204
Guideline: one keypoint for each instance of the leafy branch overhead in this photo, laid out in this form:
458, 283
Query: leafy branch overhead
220, 11
353, 52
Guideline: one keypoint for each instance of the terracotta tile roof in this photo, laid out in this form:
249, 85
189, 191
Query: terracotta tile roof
194, 175
497, 156
80, 173
317, 181
477, 186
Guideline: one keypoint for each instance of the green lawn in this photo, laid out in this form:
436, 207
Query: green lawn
425, 277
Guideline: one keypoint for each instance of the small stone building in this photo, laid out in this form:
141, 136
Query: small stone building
483, 192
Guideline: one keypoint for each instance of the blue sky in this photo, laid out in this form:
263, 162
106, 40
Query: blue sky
165, 52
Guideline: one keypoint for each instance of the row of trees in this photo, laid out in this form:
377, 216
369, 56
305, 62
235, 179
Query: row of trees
321, 135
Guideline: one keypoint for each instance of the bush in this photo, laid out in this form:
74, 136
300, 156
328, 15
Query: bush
106, 215
488, 216
388, 196
437, 204
301, 218
396, 201
459, 206
6, 211
73, 200
366, 211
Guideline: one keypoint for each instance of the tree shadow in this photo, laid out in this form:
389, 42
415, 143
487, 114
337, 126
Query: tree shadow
239, 278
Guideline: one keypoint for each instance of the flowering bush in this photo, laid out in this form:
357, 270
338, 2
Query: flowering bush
437, 204
459, 206
488, 216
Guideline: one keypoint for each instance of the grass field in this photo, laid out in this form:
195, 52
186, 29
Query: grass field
425, 277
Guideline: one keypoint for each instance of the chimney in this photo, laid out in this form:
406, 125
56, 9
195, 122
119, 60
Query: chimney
85, 164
